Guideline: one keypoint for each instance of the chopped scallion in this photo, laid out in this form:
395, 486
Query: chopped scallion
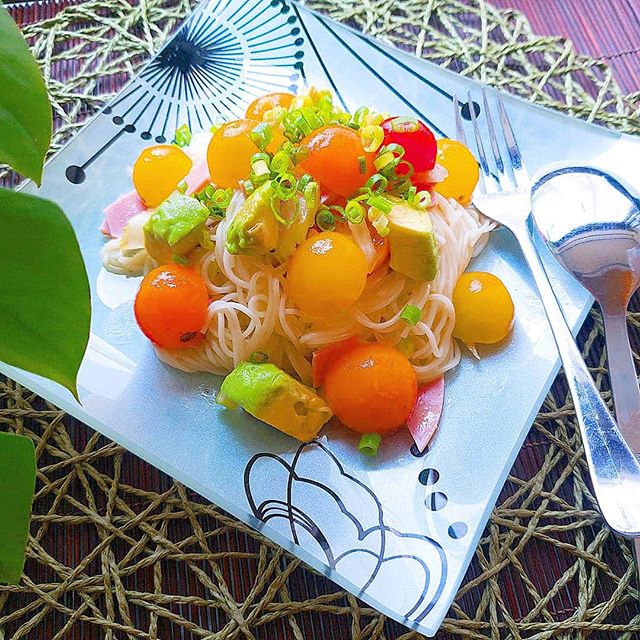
354, 212
377, 183
371, 137
262, 135
285, 186
381, 203
362, 164
325, 220
280, 162
369, 444
182, 187
182, 137
411, 314
258, 357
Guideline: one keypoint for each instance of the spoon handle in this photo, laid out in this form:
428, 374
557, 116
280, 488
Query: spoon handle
615, 472
624, 381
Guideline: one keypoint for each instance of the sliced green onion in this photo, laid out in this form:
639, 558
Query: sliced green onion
275, 115
222, 197
383, 160
410, 193
371, 137
354, 212
359, 116
380, 223
381, 203
362, 164
325, 220
285, 186
262, 135
249, 187
393, 147
304, 181
377, 183
281, 162
369, 444
259, 357
182, 187
311, 195
423, 198
411, 314
408, 171
406, 347
405, 124
337, 211
209, 191
182, 137
260, 168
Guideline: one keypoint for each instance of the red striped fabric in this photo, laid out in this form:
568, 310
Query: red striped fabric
605, 29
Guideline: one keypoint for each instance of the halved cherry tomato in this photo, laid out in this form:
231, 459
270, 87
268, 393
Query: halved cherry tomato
371, 387
171, 306
324, 358
158, 171
415, 137
261, 105
335, 158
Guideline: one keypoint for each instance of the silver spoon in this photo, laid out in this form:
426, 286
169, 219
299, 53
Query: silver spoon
591, 224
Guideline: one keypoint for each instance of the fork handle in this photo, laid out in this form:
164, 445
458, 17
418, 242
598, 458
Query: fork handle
615, 472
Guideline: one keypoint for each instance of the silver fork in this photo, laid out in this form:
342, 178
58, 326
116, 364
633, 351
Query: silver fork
504, 195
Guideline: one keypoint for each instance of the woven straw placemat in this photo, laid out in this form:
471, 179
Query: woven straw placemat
120, 551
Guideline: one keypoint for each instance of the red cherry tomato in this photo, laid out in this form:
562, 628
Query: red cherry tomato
415, 137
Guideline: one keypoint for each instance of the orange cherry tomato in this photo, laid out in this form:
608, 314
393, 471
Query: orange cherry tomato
327, 273
230, 151
484, 308
332, 156
261, 105
463, 170
171, 306
371, 387
322, 360
158, 171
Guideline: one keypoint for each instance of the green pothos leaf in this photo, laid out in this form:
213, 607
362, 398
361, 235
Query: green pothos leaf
44, 291
17, 482
25, 112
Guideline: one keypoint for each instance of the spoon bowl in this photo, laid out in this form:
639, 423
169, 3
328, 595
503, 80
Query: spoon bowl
591, 224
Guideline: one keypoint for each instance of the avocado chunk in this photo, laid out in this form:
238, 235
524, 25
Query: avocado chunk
412, 243
273, 396
304, 214
175, 227
254, 228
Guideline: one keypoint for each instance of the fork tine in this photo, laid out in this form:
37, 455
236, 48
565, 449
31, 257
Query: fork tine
517, 164
492, 136
460, 135
482, 156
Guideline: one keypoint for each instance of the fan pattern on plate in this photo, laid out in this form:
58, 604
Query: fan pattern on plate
215, 65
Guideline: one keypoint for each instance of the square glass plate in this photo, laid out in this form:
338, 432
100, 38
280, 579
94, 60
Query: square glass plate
397, 531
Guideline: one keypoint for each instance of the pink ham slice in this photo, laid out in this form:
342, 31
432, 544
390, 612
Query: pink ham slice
198, 177
425, 415
118, 213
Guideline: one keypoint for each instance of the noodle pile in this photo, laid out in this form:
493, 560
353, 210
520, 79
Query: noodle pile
251, 310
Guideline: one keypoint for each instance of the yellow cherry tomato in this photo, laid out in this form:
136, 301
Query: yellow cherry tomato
484, 308
327, 274
158, 171
230, 151
463, 171
261, 105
